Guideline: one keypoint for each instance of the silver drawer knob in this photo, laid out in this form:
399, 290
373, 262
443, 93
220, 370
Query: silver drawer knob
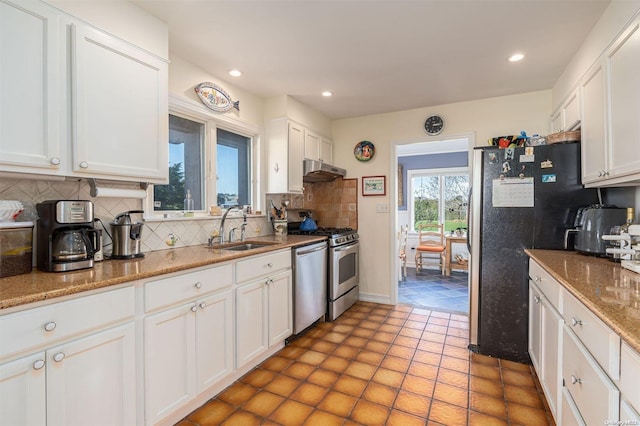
269, 281
58, 357
575, 380
575, 322
537, 299
55, 161
198, 285
84, 164
194, 308
38, 365
50, 326
270, 265
202, 305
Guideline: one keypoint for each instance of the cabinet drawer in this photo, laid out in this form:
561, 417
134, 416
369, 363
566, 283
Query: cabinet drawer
599, 339
628, 416
595, 395
630, 376
570, 413
548, 285
260, 266
190, 285
39, 327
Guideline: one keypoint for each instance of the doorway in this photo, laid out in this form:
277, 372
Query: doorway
431, 185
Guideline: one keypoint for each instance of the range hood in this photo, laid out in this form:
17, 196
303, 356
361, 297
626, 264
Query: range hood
317, 171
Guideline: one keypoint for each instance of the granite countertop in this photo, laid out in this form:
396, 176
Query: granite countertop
611, 292
38, 286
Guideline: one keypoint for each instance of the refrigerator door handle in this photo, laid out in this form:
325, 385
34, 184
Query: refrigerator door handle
469, 220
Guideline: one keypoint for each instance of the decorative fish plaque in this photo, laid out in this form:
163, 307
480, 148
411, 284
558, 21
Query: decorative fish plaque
215, 97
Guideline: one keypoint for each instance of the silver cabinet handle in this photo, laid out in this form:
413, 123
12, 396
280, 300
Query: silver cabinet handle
84, 164
537, 279
50, 326
194, 308
538, 299
269, 281
575, 380
38, 365
575, 322
198, 285
58, 357
270, 265
55, 161
203, 305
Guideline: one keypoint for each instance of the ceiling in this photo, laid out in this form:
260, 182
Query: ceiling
379, 56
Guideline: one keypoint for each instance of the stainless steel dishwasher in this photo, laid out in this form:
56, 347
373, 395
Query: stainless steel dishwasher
309, 285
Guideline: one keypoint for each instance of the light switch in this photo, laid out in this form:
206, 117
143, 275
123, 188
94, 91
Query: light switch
382, 208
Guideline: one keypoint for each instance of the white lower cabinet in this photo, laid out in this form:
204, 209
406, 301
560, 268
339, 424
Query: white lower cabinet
263, 315
188, 337
23, 398
93, 378
64, 372
595, 395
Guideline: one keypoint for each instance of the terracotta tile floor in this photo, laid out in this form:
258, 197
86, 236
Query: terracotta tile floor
381, 364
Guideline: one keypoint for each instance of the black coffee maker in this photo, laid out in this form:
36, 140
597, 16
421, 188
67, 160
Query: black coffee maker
66, 239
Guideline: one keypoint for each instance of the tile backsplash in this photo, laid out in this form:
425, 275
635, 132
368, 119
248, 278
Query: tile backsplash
156, 235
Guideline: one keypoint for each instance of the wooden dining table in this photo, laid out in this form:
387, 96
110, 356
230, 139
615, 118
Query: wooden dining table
451, 239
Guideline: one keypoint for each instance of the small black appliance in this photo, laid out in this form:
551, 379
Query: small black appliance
66, 239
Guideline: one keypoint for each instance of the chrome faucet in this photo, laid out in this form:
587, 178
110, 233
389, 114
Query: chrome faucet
224, 217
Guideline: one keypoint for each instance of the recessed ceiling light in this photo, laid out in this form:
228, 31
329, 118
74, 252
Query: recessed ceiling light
516, 57
327, 93
235, 73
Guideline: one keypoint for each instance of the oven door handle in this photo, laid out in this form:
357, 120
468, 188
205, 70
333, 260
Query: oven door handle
346, 247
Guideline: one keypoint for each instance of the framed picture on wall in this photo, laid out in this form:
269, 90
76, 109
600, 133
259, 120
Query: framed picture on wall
374, 185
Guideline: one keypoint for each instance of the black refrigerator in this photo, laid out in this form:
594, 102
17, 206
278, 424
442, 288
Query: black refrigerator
524, 197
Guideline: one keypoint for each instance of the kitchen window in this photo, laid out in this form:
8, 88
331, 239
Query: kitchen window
438, 195
211, 162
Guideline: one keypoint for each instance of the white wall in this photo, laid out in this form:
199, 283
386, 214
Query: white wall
286, 106
484, 118
122, 19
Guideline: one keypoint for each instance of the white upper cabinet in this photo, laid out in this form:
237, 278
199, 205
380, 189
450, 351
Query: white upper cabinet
285, 153
593, 131
76, 101
311, 145
567, 116
326, 150
624, 68
610, 93
30, 87
120, 108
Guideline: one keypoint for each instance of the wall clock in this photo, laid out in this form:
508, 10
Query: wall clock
434, 125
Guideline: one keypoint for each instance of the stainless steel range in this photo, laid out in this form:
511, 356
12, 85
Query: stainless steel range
344, 268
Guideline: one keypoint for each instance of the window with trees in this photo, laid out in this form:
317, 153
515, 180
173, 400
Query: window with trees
208, 165
439, 195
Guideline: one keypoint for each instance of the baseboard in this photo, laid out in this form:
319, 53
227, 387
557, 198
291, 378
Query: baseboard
375, 298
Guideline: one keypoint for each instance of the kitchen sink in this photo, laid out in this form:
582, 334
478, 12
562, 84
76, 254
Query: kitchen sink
242, 246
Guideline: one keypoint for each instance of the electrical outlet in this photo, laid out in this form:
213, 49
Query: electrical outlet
382, 208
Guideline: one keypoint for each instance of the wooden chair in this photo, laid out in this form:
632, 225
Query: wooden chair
402, 251
431, 248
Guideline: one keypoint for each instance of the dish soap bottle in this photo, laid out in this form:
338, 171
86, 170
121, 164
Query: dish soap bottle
188, 205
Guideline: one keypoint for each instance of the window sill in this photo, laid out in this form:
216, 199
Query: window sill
177, 217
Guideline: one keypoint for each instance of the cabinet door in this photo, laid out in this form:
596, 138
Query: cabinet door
571, 111
251, 321
93, 378
22, 391
280, 307
296, 157
214, 339
556, 121
169, 361
594, 122
624, 68
326, 151
535, 302
120, 108
550, 351
311, 145
30, 88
